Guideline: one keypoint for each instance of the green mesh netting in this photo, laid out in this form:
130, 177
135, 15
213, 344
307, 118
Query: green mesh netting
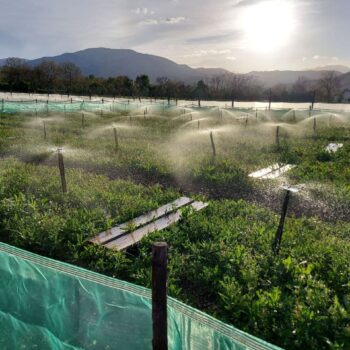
46, 304
32, 106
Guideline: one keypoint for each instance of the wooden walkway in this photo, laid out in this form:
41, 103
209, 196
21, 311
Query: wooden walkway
131, 232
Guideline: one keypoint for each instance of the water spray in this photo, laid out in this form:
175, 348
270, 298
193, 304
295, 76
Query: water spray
62, 170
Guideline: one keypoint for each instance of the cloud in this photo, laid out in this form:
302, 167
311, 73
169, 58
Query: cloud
143, 11
201, 53
170, 20
213, 38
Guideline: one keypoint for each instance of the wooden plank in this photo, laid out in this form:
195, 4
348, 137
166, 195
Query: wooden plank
131, 238
271, 172
278, 172
113, 233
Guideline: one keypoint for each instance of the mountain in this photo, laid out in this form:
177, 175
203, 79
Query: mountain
336, 68
103, 62
271, 78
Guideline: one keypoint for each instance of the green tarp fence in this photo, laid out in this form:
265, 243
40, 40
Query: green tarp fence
33, 106
47, 304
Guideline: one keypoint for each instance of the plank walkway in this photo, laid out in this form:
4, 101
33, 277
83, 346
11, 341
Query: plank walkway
131, 232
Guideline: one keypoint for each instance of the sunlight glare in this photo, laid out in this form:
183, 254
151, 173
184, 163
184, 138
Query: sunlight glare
268, 26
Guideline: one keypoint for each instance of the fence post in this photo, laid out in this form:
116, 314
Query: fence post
159, 296
62, 171
278, 237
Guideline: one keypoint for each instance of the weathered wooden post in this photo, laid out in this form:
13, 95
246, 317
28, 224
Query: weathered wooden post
278, 137
315, 128
62, 170
116, 143
278, 237
44, 124
159, 296
212, 144
313, 99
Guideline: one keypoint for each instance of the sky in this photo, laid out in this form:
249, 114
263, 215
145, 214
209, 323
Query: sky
238, 35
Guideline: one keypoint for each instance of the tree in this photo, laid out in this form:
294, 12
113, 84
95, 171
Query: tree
16, 74
69, 72
142, 85
46, 74
328, 86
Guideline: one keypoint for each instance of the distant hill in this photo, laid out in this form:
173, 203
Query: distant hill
104, 62
336, 68
271, 78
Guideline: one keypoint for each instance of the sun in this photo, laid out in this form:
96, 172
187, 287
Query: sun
268, 26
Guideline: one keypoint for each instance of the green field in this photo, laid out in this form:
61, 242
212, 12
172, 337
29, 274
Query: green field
220, 259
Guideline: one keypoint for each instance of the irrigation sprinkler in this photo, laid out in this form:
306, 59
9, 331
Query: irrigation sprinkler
233, 103
116, 143
278, 236
278, 137
246, 122
62, 171
256, 114
159, 296
212, 144
44, 124
82, 120
270, 98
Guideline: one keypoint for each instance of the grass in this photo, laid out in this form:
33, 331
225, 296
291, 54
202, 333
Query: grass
220, 259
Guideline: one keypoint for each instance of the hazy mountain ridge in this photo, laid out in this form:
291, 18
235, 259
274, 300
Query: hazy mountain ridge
105, 62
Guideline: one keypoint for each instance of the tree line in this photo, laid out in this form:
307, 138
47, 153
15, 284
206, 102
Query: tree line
66, 78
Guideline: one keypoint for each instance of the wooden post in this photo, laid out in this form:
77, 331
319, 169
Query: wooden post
44, 130
278, 137
278, 237
159, 296
116, 139
212, 144
315, 128
62, 171
313, 99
